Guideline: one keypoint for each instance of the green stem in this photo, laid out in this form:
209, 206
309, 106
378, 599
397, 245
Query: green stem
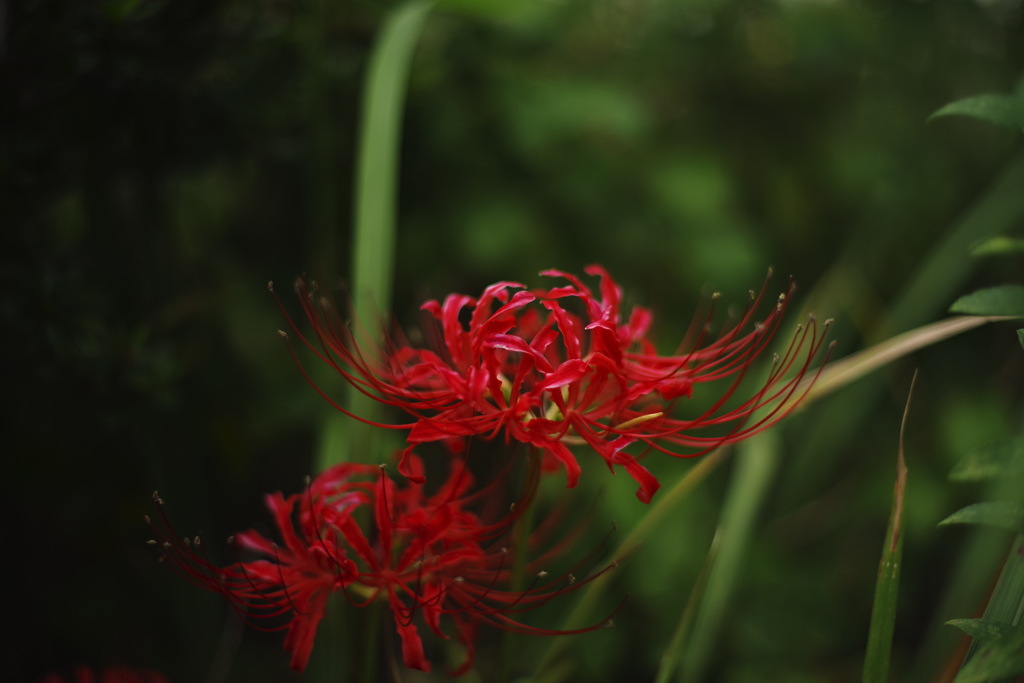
524, 529
755, 470
595, 589
372, 273
372, 268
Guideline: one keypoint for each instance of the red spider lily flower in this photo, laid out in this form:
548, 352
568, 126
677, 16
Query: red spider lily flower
117, 674
563, 366
431, 557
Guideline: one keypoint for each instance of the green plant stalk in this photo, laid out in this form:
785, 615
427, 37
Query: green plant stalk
376, 182
668, 663
883, 609
756, 463
507, 650
371, 276
595, 589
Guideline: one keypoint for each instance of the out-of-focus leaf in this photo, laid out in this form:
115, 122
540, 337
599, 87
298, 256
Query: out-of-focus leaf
1003, 110
999, 460
1002, 300
983, 630
1003, 514
1020, 336
757, 461
373, 242
997, 246
998, 658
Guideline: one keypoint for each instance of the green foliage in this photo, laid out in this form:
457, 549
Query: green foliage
1002, 300
997, 650
1003, 110
1000, 656
1003, 514
998, 246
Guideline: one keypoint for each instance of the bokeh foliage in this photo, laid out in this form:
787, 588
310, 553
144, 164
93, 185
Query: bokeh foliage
160, 161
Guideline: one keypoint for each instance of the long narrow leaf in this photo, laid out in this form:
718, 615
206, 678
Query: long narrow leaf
373, 248
839, 373
883, 610
1002, 513
756, 463
371, 274
835, 376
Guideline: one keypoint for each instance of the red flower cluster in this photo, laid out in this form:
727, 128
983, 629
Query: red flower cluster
548, 368
563, 366
447, 556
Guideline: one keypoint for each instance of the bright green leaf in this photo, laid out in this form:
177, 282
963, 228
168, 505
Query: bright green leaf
1002, 300
1001, 514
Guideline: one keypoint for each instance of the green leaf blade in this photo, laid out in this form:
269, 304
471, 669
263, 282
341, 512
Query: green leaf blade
998, 659
1005, 300
883, 609
1002, 110
998, 246
1001, 514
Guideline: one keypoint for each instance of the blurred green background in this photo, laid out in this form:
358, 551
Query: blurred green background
161, 161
